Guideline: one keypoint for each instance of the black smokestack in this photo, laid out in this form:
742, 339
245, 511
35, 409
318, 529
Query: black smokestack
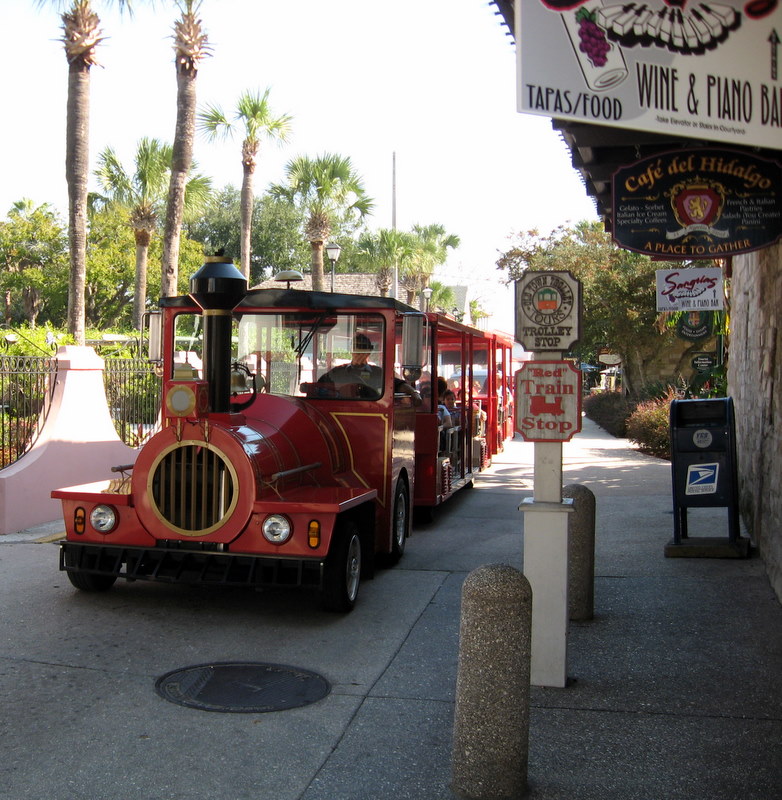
218, 287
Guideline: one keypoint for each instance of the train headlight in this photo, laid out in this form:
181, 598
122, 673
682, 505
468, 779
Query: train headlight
103, 519
276, 529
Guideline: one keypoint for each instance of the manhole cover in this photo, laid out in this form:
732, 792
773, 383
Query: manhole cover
241, 687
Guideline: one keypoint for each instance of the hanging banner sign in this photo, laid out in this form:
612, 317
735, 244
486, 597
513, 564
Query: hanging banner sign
695, 326
699, 69
689, 289
548, 401
548, 310
698, 204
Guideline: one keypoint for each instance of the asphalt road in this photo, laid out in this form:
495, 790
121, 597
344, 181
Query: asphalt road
676, 691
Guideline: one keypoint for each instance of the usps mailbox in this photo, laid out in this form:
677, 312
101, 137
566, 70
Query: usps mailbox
703, 466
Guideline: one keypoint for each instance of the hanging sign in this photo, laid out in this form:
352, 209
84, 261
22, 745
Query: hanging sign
707, 70
608, 358
689, 289
548, 310
704, 362
693, 326
697, 204
548, 401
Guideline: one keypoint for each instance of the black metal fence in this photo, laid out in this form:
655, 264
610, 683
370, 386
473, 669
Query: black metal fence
133, 392
26, 390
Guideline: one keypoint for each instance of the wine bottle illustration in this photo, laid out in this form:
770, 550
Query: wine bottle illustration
601, 61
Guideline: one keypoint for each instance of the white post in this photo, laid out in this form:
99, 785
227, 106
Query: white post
546, 566
548, 412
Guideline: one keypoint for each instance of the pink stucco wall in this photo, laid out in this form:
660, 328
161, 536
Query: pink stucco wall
78, 444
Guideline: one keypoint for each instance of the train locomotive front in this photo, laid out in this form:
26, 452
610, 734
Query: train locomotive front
250, 486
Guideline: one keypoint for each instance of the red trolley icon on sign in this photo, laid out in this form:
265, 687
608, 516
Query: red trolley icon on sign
548, 401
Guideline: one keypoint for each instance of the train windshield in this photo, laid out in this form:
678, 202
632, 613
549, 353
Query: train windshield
314, 354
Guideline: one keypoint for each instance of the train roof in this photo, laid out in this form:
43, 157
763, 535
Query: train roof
308, 299
298, 298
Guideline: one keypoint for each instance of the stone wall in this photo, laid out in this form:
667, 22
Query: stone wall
755, 361
673, 363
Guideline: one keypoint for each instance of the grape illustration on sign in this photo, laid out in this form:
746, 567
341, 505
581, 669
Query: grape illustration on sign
548, 310
548, 401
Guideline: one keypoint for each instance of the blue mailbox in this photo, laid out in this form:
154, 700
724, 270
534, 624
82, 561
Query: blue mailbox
703, 472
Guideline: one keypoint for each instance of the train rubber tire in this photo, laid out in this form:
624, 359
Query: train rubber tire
399, 523
86, 581
342, 570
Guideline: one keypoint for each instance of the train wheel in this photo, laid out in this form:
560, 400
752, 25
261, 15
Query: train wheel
342, 570
399, 523
86, 581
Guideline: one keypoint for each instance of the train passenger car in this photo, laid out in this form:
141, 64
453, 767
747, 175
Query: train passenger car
474, 365
295, 439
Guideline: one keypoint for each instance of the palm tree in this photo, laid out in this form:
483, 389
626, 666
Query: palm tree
142, 196
255, 116
190, 45
443, 298
328, 191
384, 253
81, 37
432, 244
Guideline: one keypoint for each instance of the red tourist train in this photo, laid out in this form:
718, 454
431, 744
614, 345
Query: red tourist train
300, 430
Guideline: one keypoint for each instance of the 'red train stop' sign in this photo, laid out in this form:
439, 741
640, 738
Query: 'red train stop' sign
548, 401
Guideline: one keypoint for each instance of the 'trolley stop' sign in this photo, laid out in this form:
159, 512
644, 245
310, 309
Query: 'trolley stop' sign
548, 310
548, 401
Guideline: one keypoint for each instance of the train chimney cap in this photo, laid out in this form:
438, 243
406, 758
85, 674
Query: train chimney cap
218, 284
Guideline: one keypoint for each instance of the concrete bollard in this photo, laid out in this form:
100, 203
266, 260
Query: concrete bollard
581, 552
491, 720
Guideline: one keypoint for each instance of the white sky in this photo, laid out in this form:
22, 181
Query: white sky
430, 80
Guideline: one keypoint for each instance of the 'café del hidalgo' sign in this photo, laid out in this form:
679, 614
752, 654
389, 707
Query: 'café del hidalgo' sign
698, 204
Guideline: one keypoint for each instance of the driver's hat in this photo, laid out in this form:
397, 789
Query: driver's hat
362, 344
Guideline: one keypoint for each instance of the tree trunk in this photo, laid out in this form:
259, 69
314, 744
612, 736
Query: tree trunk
76, 172
317, 266
247, 219
140, 288
182, 158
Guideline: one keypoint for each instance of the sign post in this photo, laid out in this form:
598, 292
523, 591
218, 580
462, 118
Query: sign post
548, 412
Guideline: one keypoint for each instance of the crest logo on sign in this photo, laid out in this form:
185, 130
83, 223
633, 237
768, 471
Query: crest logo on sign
697, 206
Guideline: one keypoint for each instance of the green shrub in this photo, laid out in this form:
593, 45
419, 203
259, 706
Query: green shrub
610, 410
713, 383
649, 426
658, 390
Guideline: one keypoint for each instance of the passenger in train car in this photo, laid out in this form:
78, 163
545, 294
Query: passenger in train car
449, 401
444, 417
425, 385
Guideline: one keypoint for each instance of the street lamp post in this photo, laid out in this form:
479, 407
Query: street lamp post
427, 293
332, 251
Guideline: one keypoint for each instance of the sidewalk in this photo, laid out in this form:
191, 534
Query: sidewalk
675, 692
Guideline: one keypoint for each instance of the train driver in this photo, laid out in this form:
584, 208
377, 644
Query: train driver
365, 379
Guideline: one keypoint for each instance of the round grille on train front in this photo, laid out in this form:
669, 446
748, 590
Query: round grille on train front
193, 488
